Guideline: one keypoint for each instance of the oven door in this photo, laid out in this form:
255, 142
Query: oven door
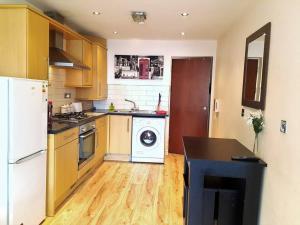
87, 144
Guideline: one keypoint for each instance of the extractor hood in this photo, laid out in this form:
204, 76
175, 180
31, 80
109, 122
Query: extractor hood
58, 57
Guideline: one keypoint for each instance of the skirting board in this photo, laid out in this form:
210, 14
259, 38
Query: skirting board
117, 157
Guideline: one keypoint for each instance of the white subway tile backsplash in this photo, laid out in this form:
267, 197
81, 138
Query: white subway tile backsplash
145, 96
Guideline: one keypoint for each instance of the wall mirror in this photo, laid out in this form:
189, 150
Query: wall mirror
256, 68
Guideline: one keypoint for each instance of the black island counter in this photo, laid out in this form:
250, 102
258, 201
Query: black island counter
218, 187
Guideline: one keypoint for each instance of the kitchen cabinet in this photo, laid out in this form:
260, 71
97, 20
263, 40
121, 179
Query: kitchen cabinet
24, 41
81, 50
101, 141
98, 91
66, 168
120, 134
62, 167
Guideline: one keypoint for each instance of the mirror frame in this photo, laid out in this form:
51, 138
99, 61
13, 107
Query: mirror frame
266, 29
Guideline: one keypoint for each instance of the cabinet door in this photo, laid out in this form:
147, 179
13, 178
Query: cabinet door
101, 143
87, 79
98, 91
37, 46
102, 72
66, 168
13, 42
120, 134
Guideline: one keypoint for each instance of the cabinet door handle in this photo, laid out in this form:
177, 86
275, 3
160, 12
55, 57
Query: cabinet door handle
97, 139
78, 157
127, 125
69, 136
98, 88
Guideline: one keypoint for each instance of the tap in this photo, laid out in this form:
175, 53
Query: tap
135, 108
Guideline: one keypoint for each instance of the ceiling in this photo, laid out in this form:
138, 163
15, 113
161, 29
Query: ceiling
208, 19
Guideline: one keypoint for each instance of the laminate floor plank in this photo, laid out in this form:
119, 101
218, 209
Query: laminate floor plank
121, 193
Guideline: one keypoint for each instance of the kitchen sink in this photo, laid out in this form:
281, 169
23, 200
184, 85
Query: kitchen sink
134, 111
94, 114
123, 111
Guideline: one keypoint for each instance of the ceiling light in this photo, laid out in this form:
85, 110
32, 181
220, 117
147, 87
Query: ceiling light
96, 13
139, 17
182, 33
184, 14
115, 32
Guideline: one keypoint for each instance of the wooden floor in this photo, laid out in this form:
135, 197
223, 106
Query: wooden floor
127, 193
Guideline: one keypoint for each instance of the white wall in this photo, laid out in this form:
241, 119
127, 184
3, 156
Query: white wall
281, 192
145, 92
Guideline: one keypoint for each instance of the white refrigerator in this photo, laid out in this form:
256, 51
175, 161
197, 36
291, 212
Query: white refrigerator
23, 145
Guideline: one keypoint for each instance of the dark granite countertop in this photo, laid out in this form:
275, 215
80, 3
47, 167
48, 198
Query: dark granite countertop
56, 127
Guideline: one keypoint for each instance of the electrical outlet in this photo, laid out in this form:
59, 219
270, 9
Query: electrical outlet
283, 126
67, 95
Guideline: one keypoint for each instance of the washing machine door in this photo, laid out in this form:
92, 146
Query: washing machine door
148, 138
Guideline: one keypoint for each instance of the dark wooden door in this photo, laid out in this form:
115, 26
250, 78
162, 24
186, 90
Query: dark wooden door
190, 100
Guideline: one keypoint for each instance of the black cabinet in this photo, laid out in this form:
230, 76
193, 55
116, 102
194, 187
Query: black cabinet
218, 190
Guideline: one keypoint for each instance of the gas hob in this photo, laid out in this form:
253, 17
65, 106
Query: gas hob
70, 117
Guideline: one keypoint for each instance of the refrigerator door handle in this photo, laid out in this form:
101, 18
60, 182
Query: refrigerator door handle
27, 158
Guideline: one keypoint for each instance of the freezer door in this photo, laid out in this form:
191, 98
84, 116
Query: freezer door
3, 148
27, 117
27, 191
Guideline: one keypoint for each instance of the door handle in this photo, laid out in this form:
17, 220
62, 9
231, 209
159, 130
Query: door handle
88, 134
204, 108
27, 158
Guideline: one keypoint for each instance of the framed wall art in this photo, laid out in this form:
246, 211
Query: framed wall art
139, 67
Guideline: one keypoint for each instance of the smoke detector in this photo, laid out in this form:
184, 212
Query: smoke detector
139, 17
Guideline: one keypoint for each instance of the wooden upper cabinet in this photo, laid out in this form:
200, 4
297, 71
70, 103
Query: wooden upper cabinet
38, 47
87, 60
24, 43
81, 50
98, 91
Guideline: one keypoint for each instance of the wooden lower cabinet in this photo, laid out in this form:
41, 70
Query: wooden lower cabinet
120, 134
66, 169
101, 141
62, 167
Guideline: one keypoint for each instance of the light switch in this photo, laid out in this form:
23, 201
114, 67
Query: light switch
243, 112
283, 126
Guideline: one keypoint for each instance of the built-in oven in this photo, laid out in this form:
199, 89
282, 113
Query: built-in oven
87, 143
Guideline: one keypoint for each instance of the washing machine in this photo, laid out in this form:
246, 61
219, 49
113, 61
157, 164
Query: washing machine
148, 139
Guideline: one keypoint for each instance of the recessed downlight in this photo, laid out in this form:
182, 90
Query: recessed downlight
139, 16
182, 33
115, 32
96, 12
184, 14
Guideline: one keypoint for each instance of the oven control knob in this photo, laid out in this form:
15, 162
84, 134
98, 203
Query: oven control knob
83, 129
